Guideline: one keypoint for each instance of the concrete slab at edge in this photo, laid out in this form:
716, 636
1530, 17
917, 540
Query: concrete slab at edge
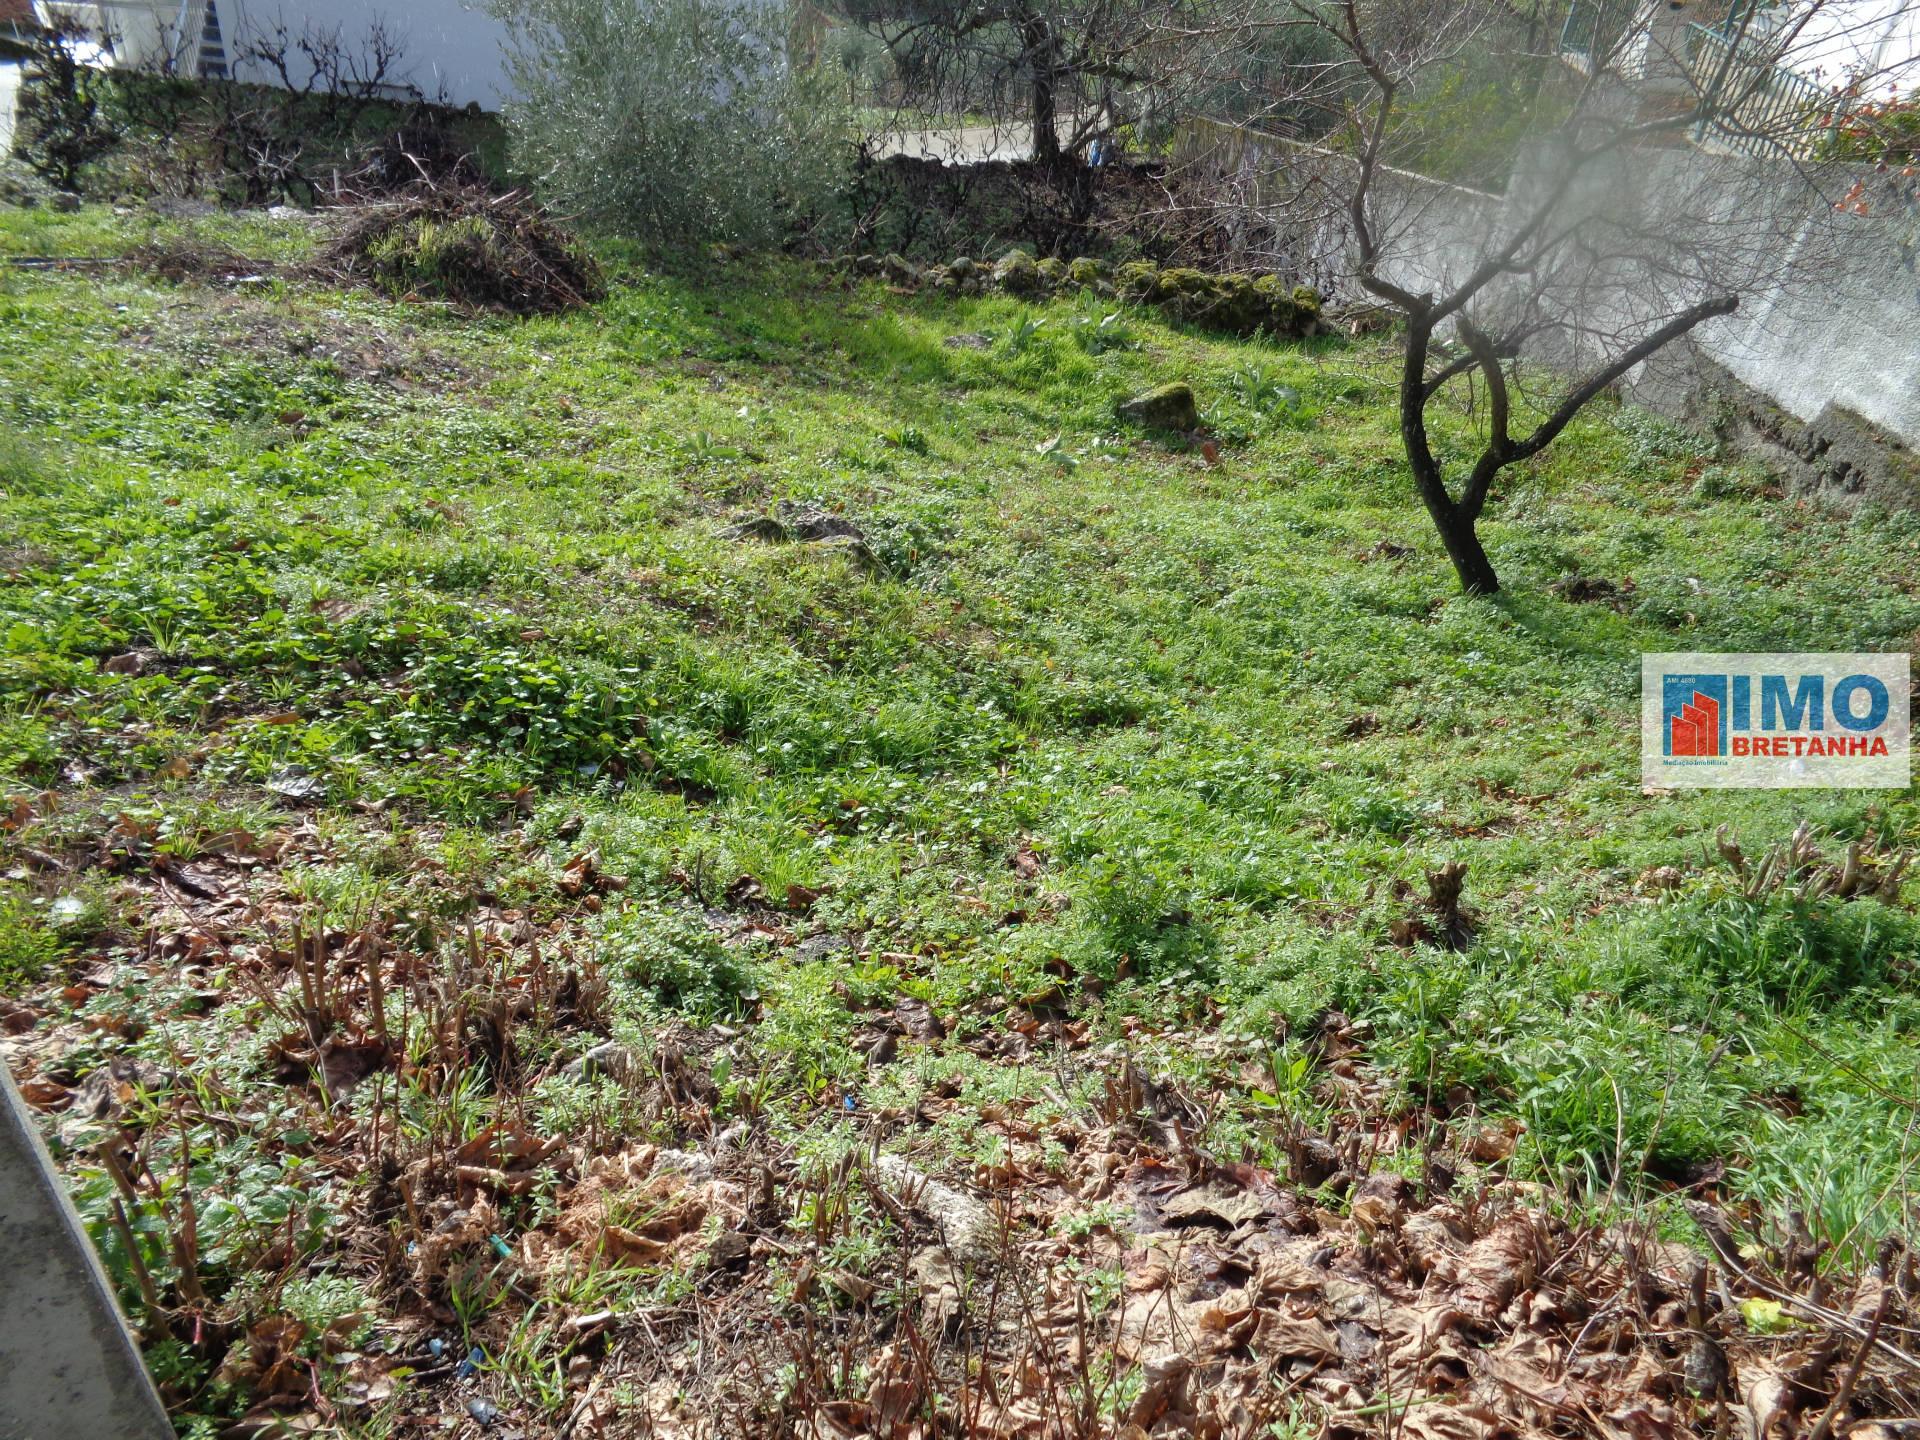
69, 1369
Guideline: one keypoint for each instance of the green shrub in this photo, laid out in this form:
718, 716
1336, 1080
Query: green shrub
675, 956
1697, 956
59, 129
677, 122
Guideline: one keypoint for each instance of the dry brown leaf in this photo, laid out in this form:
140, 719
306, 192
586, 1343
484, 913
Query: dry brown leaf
1146, 1323
1640, 1419
1432, 1240
1296, 1337
1517, 1370
1494, 1142
898, 1390
1448, 1422
942, 1289
1163, 1389
1414, 1332
44, 1094
1768, 1402
1373, 1213
1498, 1266
1232, 1207
1280, 1274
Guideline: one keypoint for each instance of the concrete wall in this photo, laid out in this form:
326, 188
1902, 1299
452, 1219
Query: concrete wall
1848, 336
68, 1368
1829, 311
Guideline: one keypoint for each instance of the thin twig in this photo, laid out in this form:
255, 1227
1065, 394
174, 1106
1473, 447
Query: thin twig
1841, 1396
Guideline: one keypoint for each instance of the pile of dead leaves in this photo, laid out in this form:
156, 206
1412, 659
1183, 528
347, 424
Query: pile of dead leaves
1131, 1288
1488, 1316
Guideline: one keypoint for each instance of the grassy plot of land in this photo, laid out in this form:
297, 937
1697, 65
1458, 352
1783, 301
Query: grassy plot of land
443, 757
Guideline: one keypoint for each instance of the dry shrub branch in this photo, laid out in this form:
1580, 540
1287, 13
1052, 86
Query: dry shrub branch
464, 245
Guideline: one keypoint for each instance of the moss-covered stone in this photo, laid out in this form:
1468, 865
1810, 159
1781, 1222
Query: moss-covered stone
1291, 311
1017, 274
1182, 283
1087, 271
1136, 280
1167, 407
1231, 303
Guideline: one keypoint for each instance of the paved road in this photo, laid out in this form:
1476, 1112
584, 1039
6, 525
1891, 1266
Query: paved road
68, 1368
966, 144
960, 144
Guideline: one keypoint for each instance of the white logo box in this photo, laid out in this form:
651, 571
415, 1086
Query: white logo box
1780, 720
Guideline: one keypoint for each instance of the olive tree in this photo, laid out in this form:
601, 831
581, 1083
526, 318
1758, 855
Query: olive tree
674, 121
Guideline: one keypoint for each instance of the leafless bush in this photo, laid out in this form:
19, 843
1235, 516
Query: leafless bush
338, 119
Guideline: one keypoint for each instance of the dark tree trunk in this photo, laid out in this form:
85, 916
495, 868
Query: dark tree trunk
1469, 556
1038, 39
1454, 521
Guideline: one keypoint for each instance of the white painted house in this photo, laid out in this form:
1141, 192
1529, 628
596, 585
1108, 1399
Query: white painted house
450, 51
1781, 72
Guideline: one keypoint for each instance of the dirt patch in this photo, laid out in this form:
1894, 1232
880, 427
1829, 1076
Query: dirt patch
1092, 1272
387, 352
180, 261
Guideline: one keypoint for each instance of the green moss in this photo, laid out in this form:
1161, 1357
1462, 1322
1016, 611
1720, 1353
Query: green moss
1089, 271
1137, 280
1165, 407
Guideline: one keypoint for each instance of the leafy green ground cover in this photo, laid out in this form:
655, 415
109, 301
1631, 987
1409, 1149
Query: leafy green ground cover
1087, 722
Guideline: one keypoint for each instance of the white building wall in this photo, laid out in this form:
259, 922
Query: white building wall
451, 51
9, 96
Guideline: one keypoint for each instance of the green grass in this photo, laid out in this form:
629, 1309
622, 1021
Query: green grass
469, 572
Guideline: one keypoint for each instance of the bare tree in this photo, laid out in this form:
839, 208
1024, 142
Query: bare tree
319, 62
1078, 70
319, 86
1570, 269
